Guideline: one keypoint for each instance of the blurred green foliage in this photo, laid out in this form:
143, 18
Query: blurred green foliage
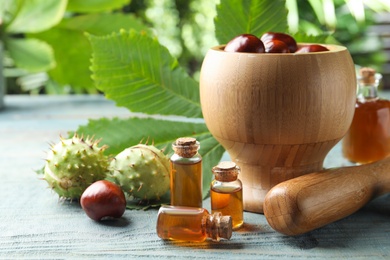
46, 50
348, 23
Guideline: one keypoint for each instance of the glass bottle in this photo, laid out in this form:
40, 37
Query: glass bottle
368, 138
226, 192
192, 224
186, 173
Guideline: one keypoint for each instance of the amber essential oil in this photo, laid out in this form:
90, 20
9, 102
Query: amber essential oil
368, 138
226, 192
186, 173
192, 224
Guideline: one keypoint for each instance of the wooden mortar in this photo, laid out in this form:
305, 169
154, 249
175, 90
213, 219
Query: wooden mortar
277, 115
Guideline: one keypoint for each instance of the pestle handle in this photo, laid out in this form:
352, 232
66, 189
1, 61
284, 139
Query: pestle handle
311, 201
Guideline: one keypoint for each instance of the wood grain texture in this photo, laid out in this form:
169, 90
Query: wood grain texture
311, 201
277, 115
34, 225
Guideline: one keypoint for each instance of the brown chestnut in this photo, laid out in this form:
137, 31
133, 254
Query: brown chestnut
287, 39
312, 48
103, 199
245, 43
276, 46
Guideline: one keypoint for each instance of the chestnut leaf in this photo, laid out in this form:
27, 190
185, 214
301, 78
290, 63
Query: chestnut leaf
235, 17
137, 72
27, 16
73, 64
321, 38
93, 6
32, 55
121, 133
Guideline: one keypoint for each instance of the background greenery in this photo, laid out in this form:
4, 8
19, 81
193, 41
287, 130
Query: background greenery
146, 55
46, 50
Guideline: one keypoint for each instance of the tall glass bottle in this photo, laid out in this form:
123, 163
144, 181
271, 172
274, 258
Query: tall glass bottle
192, 224
226, 192
368, 138
186, 173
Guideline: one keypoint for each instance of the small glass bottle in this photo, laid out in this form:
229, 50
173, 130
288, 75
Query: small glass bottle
192, 224
368, 138
186, 173
226, 192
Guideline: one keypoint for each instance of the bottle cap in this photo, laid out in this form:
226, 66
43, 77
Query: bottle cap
186, 147
218, 226
226, 171
367, 75
225, 227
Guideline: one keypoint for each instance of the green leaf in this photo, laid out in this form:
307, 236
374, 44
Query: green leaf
7, 8
31, 16
95, 6
301, 37
119, 134
211, 152
137, 72
73, 50
235, 17
31, 54
103, 24
136, 204
318, 10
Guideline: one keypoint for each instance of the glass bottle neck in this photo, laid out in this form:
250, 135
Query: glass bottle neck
368, 92
368, 88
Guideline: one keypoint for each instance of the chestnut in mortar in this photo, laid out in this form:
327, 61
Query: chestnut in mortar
276, 46
245, 43
311, 48
287, 39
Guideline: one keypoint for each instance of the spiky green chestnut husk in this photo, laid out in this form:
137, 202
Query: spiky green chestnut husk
142, 171
74, 164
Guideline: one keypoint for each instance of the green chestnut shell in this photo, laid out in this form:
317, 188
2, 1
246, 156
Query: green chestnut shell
142, 171
74, 164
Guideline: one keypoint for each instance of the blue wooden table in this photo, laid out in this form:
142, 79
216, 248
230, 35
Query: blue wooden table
35, 225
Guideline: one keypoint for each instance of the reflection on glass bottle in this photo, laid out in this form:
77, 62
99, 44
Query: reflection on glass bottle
368, 138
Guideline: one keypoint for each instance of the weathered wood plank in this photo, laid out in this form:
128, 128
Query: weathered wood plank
34, 225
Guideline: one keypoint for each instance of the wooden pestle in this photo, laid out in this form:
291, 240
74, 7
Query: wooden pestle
314, 200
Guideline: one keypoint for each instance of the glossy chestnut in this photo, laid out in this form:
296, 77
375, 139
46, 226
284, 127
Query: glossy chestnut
276, 46
311, 48
245, 43
103, 199
287, 39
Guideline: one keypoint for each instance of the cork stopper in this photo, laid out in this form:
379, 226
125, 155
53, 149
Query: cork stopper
226, 171
186, 147
218, 226
225, 227
367, 75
